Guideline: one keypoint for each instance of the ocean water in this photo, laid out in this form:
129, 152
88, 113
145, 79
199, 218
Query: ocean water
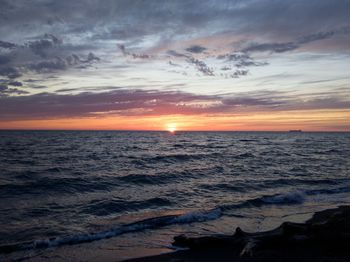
67, 188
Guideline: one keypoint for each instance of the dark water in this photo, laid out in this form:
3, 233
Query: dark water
59, 188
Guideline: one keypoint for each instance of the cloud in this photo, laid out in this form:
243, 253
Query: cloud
41, 54
15, 83
92, 57
7, 45
271, 47
41, 46
4, 59
10, 72
57, 37
48, 66
64, 90
6, 91
316, 37
156, 102
68, 31
88, 104
122, 48
121, 20
239, 72
201, 66
234, 64
290, 46
240, 59
176, 54
195, 49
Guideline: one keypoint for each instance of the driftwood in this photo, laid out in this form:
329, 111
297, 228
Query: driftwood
328, 229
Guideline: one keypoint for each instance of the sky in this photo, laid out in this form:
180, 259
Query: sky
186, 65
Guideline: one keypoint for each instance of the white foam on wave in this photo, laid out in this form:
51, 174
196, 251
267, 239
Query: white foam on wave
152, 223
294, 197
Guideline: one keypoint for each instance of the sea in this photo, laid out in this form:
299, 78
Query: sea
114, 195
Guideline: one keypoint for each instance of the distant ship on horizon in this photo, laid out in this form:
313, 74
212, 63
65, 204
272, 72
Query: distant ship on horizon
295, 131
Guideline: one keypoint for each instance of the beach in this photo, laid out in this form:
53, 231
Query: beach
325, 237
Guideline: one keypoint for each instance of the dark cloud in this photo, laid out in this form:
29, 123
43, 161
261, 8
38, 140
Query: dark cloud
38, 86
240, 60
42, 46
3, 87
201, 66
7, 45
48, 66
96, 27
122, 48
239, 72
226, 68
316, 37
251, 101
235, 62
155, 102
246, 63
73, 60
121, 20
86, 104
63, 90
140, 56
176, 54
4, 59
46, 36
15, 83
290, 46
10, 72
41, 54
235, 57
196, 49
272, 47
92, 57
6, 91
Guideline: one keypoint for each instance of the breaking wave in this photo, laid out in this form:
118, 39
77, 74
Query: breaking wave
151, 223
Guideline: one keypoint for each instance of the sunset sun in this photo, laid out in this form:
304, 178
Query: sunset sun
171, 128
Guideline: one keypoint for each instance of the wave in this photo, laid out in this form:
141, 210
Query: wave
61, 185
166, 178
288, 198
151, 223
244, 155
344, 189
294, 197
246, 186
108, 207
171, 158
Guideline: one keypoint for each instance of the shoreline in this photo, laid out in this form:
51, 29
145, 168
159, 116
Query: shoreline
324, 237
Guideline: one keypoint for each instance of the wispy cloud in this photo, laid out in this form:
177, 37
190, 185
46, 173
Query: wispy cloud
156, 102
290, 46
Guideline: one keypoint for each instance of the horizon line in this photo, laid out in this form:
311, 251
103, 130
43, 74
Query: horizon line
179, 131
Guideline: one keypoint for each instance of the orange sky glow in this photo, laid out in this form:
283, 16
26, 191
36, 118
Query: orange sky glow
308, 120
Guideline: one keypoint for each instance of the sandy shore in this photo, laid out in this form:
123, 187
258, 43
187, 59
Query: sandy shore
325, 237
